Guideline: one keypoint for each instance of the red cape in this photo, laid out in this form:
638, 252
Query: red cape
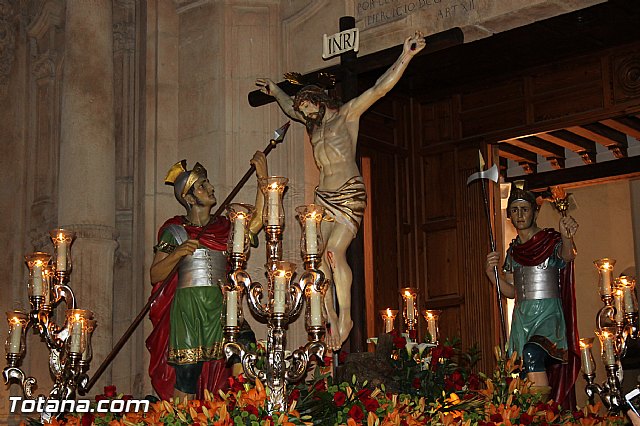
562, 377
214, 373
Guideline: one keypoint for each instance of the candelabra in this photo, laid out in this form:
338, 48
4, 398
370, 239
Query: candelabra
388, 316
432, 316
69, 345
284, 298
410, 310
616, 321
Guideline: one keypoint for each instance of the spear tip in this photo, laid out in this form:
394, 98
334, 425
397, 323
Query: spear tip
278, 134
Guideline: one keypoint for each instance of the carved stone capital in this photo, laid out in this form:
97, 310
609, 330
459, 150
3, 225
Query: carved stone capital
51, 14
44, 66
95, 232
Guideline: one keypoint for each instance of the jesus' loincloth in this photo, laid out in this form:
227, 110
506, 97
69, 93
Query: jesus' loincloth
346, 204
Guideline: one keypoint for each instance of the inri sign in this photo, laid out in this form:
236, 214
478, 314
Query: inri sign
340, 42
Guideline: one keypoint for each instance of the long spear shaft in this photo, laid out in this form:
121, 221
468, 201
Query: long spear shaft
503, 325
278, 138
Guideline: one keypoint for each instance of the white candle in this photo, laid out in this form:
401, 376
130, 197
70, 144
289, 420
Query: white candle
37, 279
238, 234
16, 337
272, 205
61, 260
279, 292
629, 306
609, 353
311, 234
587, 359
316, 309
410, 313
76, 336
617, 303
232, 308
388, 324
433, 329
47, 287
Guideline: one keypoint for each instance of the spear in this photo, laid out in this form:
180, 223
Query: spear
483, 176
278, 137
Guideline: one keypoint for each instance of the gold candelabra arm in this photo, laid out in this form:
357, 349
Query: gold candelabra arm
254, 300
64, 292
247, 359
12, 373
605, 317
300, 359
310, 277
591, 388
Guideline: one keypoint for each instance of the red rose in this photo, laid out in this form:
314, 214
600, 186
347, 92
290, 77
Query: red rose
436, 354
87, 419
100, 397
399, 342
474, 381
356, 413
578, 415
363, 394
328, 360
447, 352
294, 395
339, 398
110, 391
320, 386
251, 409
342, 357
371, 404
496, 418
416, 383
526, 419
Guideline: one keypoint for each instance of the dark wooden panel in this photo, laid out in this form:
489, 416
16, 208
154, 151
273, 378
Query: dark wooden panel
625, 69
568, 104
499, 117
437, 202
566, 75
501, 92
436, 123
442, 264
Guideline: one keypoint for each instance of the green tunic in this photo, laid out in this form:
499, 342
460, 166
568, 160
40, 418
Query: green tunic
195, 321
538, 321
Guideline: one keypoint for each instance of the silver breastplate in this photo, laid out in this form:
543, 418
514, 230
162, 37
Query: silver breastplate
204, 268
536, 282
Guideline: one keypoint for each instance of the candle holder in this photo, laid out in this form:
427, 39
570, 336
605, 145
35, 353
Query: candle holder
240, 216
310, 218
432, 316
410, 310
69, 345
62, 240
627, 284
605, 278
282, 304
388, 316
38, 285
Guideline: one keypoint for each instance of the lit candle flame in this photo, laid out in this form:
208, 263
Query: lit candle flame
389, 312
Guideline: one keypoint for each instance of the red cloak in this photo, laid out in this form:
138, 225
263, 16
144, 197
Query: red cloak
214, 373
562, 377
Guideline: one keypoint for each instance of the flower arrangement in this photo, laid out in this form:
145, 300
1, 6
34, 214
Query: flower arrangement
438, 388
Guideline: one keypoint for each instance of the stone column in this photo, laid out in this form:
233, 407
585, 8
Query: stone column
87, 164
